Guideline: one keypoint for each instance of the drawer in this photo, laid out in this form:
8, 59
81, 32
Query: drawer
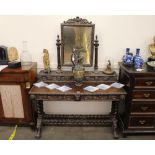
143, 107
14, 77
145, 94
141, 122
145, 82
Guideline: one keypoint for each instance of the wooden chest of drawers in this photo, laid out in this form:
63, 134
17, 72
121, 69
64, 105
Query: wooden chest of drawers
138, 113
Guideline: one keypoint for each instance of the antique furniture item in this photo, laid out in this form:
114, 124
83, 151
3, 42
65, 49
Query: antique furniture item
77, 33
15, 107
3, 55
77, 93
138, 113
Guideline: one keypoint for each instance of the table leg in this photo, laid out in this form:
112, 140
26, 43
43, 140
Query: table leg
39, 106
115, 119
112, 108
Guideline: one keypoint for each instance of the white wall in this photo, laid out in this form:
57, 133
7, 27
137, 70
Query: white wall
115, 33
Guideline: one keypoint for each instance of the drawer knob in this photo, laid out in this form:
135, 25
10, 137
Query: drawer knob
142, 122
149, 83
146, 95
144, 108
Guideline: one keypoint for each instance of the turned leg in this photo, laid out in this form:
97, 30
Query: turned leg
115, 119
112, 108
39, 108
33, 105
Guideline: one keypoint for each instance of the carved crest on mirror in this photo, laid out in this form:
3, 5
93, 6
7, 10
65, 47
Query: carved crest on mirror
77, 20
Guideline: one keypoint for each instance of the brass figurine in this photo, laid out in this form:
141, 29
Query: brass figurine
108, 70
46, 61
12, 54
152, 49
78, 70
77, 58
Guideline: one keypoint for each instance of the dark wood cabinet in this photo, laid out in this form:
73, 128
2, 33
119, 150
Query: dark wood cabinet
138, 113
15, 106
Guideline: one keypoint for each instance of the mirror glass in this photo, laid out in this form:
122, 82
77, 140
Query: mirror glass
79, 37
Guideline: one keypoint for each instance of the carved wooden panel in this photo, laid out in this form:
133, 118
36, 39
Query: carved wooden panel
76, 97
68, 76
11, 99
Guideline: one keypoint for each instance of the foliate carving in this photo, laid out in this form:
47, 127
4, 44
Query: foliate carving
99, 97
77, 120
77, 20
122, 97
56, 97
68, 76
102, 78
77, 97
32, 97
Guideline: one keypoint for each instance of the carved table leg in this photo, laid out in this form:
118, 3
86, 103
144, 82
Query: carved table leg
33, 104
115, 119
39, 106
112, 108
114, 112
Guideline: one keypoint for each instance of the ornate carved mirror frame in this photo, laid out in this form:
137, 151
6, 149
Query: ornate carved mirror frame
77, 33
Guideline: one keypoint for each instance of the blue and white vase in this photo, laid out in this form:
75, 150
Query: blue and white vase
138, 61
128, 58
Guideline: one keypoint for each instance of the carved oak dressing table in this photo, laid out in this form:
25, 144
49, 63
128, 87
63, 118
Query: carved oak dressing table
38, 95
76, 33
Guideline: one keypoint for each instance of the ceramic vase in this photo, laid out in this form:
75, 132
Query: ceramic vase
138, 61
128, 58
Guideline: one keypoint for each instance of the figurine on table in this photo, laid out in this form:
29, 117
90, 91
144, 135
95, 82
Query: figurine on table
77, 58
108, 70
152, 49
46, 61
78, 69
12, 54
13, 58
